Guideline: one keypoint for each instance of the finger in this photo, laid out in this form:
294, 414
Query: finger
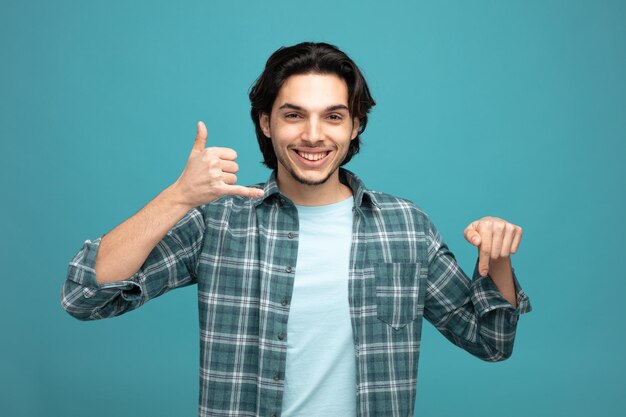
229, 166
471, 235
227, 154
507, 241
484, 252
497, 237
201, 136
243, 191
229, 178
516, 239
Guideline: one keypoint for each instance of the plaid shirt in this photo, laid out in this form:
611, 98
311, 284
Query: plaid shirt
242, 252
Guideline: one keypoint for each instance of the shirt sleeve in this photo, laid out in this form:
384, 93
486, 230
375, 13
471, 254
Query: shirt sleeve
171, 264
472, 314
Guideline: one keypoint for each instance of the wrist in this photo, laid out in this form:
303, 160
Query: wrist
501, 273
174, 197
500, 266
503, 261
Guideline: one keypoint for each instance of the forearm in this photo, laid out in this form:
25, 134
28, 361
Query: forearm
125, 248
480, 315
484, 323
501, 273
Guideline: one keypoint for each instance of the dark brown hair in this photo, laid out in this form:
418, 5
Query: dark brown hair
305, 58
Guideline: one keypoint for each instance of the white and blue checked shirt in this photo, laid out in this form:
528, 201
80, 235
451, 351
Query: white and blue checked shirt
242, 254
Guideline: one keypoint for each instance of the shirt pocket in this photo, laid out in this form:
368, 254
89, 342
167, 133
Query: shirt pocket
399, 293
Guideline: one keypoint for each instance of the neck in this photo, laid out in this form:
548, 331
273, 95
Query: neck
329, 192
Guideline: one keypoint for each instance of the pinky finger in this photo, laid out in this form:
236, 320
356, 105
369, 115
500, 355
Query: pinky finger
244, 191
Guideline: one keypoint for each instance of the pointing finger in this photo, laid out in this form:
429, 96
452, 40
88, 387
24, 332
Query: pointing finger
224, 153
484, 252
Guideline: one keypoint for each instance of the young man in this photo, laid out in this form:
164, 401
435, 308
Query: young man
311, 288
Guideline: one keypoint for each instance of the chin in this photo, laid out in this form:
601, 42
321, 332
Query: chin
312, 179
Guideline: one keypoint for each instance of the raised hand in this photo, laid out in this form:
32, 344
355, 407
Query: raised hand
495, 238
210, 174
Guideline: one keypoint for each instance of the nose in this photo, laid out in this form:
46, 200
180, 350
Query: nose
312, 130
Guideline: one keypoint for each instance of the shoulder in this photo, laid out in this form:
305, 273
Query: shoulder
390, 203
401, 221
399, 212
383, 203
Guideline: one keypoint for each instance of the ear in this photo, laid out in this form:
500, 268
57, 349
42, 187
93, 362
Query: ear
355, 128
264, 121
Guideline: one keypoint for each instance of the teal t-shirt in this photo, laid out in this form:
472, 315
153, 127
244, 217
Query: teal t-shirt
320, 376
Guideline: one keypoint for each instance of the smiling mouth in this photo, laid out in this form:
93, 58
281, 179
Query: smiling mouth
312, 156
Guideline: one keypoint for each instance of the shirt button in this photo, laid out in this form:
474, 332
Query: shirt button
281, 336
288, 269
290, 235
284, 302
276, 376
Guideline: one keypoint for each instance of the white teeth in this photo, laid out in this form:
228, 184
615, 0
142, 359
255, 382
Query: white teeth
312, 156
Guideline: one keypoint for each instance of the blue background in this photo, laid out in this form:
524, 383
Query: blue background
515, 109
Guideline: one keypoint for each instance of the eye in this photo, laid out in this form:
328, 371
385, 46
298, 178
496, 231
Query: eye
292, 116
335, 117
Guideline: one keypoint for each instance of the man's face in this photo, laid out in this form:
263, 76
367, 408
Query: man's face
310, 127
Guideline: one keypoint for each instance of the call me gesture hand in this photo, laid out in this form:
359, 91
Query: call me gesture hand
210, 174
496, 240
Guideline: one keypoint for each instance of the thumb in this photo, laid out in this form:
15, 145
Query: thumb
472, 235
201, 136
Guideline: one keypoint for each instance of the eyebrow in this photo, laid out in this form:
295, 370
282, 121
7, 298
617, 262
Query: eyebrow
334, 107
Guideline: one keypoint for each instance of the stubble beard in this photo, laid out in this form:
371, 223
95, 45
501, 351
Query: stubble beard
304, 181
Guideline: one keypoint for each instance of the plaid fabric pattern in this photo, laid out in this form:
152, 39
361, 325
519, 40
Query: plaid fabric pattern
242, 253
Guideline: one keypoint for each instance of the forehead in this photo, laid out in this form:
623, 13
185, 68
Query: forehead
312, 91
